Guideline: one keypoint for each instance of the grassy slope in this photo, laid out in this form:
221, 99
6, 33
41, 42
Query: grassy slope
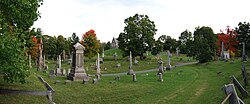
185, 85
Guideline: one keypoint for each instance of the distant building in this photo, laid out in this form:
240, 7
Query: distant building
114, 43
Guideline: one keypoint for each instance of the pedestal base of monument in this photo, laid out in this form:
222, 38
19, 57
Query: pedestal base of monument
77, 76
168, 67
131, 72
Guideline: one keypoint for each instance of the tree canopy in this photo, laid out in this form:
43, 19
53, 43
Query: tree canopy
137, 36
243, 31
16, 17
91, 44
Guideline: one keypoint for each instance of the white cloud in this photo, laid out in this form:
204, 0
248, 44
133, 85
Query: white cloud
63, 17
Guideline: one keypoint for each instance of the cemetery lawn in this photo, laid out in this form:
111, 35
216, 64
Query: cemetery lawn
192, 84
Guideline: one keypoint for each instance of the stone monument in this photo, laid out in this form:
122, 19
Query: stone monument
77, 72
244, 57
58, 69
177, 52
131, 71
161, 67
40, 59
222, 51
168, 67
98, 70
30, 61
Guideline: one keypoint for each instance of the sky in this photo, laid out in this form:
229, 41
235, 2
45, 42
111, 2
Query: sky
106, 17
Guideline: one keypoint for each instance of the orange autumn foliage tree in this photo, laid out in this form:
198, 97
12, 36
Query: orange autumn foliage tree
34, 51
91, 44
229, 40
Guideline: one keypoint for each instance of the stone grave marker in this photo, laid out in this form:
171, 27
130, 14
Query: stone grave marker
63, 72
117, 77
136, 62
95, 81
168, 67
177, 52
131, 71
161, 70
30, 61
160, 77
134, 77
77, 72
222, 51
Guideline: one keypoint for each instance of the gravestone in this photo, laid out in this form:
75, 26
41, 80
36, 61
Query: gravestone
59, 61
40, 59
51, 74
168, 67
63, 72
77, 69
177, 52
230, 89
68, 71
131, 71
98, 70
44, 63
118, 65
95, 81
136, 62
58, 72
161, 70
98, 76
64, 55
244, 57
222, 51
30, 61
85, 80
160, 77
134, 77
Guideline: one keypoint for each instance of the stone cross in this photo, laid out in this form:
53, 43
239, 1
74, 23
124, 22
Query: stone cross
131, 71
168, 67
177, 52
77, 72
244, 58
30, 61
222, 51
40, 59
98, 70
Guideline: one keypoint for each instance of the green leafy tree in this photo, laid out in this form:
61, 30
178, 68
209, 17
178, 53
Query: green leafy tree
243, 31
91, 44
74, 39
204, 44
168, 43
185, 40
16, 17
107, 46
138, 35
157, 48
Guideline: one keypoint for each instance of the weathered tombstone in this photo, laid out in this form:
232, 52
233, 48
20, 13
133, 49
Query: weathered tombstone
98, 70
244, 57
131, 71
30, 61
118, 65
58, 72
230, 89
67, 81
136, 62
177, 52
85, 80
51, 74
134, 77
63, 72
244, 75
77, 72
168, 67
160, 77
40, 59
68, 71
222, 51
161, 70
44, 63
95, 81
59, 62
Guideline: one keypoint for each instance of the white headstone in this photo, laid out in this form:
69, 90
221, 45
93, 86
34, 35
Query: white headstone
168, 64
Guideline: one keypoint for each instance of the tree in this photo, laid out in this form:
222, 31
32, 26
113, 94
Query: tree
229, 41
91, 44
107, 46
16, 17
243, 31
168, 43
204, 44
185, 40
74, 39
157, 48
138, 35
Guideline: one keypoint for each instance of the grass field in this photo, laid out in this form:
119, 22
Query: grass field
192, 84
